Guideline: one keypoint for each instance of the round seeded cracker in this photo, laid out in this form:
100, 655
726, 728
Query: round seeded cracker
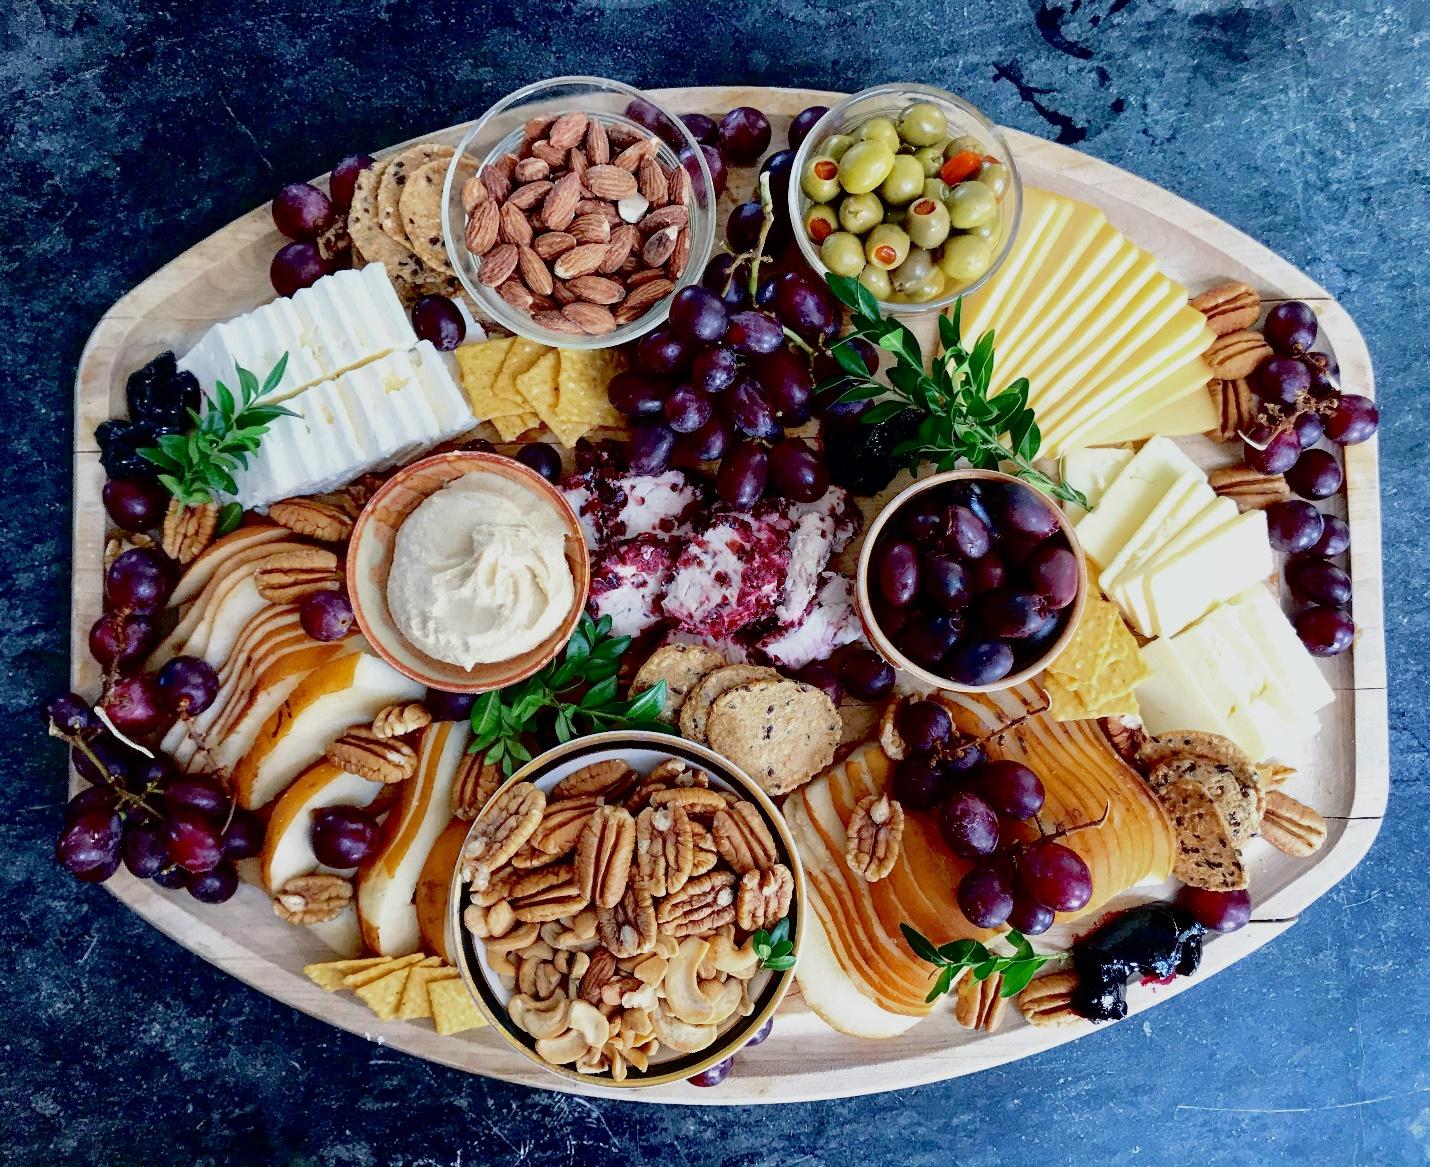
420, 207
695, 712
781, 733
1206, 855
680, 666
394, 181
371, 241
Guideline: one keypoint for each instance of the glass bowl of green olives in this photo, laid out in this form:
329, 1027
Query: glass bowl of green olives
910, 190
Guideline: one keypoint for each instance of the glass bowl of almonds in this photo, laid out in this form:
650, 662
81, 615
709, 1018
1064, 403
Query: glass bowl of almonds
627, 909
574, 209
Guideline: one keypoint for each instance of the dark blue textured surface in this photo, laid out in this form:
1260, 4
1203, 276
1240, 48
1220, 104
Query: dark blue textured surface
129, 137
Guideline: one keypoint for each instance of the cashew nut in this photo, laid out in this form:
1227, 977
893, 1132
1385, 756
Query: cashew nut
680, 1035
541, 1019
698, 1004
586, 1027
739, 962
500, 948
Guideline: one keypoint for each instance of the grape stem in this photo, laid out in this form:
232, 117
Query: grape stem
767, 220
78, 743
1064, 832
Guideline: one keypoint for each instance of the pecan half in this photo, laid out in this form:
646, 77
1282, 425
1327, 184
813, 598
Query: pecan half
694, 800
890, 740
601, 970
705, 903
312, 899
665, 849
629, 928
188, 530
314, 517
742, 838
1292, 827
476, 781
876, 831
507, 822
704, 855
603, 855
1237, 355
285, 577
1248, 489
763, 898
404, 717
1236, 408
1048, 1001
547, 894
562, 824
531, 857
1228, 307
977, 1004
362, 752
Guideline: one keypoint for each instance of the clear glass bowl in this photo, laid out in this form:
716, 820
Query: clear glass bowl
500, 130
889, 101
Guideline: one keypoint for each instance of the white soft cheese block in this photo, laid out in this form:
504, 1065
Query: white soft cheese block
1129, 499
1187, 586
1091, 472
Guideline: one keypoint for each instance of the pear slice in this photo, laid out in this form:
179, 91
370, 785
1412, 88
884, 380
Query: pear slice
288, 843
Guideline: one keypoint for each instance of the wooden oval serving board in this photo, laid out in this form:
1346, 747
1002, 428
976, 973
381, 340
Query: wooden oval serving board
1347, 778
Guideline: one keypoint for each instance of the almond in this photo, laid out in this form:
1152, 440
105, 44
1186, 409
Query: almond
681, 255
597, 289
552, 243
590, 229
560, 206
497, 177
598, 143
531, 170
534, 272
599, 207
610, 182
633, 155
663, 217
580, 261
682, 189
562, 294
592, 319
473, 192
652, 183
482, 227
535, 128
551, 155
578, 164
526, 197
644, 276
659, 247
497, 265
513, 227
568, 130
518, 295
556, 322
618, 250
641, 299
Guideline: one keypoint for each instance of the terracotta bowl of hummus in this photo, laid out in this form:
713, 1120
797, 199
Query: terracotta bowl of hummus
467, 571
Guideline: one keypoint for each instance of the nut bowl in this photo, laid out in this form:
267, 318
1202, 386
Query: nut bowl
501, 130
888, 101
370, 561
761, 992
1043, 648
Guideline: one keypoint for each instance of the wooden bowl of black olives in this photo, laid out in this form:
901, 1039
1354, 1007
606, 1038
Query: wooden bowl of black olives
971, 580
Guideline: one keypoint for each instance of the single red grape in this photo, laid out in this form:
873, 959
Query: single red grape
1219, 911
326, 616
344, 178
135, 504
438, 319
296, 266
1055, 875
984, 897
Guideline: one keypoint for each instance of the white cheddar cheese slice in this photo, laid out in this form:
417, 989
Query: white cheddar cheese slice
1188, 585
1130, 499
1217, 513
1188, 497
1263, 622
1174, 696
1091, 472
1177, 405
1062, 254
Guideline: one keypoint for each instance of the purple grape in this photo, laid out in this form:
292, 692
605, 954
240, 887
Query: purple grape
918, 782
664, 353
135, 504
1217, 911
301, 211
1052, 573
740, 481
478, 446
1325, 631
753, 332
244, 836
1030, 917
1293, 525
1270, 452
197, 793
118, 760
189, 685
1011, 613
784, 377
715, 369
822, 676
1317, 474
866, 675
344, 178
194, 841
296, 266
809, 309
643, 113
1281, 380
714, 1075
343, 836
1010, 788
1325, 374
651, 446
89, 845
761, 1035
713, 162
798, 471
543, 458
1318, 581
687, 410
927, 639
1354, 420
897, 572
135, 706
172, 877
742, 227
747, 408
980, 662
924, 725
444, 706
70, 713
744, 135
91, 798
702, 128
984, 897
1335, 538
697, 313
119, 640
214, 886
326, 616
637, 394
779, 166
803, 122
946, 581
139, 580
144, 850
966, 532
1055, 875
1290, 328
710, 441
1310, 428
734, 291
438, 319
968, 825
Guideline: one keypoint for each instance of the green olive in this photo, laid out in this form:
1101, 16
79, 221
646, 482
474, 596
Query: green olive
987, 231
971, 203
995, 176
965, 258
905, 181
820, 179
881, 130
820, 222
923, 124
913, 271
927, 223
843, 254
877, 281
936, 188
886, 246
963, 143
932, 288
860, 212
864, 166
836, 144
930, 158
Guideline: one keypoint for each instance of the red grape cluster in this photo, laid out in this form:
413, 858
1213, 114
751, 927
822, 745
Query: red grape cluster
974, 579
305, 215
1302, 403
983, 807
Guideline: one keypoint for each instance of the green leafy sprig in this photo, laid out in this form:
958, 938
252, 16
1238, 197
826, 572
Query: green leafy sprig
958, 418
201, 463
774, 948
580, 688
952, 958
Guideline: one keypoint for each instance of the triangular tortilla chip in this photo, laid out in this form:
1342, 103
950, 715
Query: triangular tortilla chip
582, 403
383, 994
512, 425
376, 972
480, 364
415, 999
329, 975
537, 385
453, 1009
520, 357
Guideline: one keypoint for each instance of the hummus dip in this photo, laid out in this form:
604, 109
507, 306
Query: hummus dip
479, 572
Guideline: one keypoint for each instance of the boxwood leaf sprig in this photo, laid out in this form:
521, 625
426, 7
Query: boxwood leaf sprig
952, 958
958, 418
774, 948
201, 463
578, 691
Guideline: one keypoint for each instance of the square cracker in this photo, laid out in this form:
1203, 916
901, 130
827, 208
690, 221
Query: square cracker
329, 974
582, 404
366, 976
453, 1009
416, 1001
